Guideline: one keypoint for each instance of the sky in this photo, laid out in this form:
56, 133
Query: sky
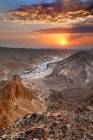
71, 33
11, 4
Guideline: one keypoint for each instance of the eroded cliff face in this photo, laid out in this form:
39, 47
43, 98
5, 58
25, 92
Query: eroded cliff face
16, 101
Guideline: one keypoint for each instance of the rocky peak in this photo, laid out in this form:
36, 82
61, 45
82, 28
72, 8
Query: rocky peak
14, 88
16, 78
16, 100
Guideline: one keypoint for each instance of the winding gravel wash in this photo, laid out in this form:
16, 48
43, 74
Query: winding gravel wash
41, 70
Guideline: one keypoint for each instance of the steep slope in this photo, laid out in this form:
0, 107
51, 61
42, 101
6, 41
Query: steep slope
16, 101
76, 68
71, 82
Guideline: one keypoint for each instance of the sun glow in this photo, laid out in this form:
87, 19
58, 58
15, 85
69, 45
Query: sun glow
63, 41
57, 40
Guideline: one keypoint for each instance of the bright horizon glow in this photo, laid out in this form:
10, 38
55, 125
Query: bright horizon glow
63, 41
24, 38
60, 39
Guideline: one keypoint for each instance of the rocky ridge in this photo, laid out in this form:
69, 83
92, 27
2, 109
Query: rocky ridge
76, 68
16, 101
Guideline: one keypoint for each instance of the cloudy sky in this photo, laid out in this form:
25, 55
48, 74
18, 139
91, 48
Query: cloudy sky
69, 33
10, 4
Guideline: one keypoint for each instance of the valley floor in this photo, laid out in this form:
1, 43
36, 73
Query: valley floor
65, 106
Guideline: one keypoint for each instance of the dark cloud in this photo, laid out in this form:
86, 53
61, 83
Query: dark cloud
79, 29
86, 3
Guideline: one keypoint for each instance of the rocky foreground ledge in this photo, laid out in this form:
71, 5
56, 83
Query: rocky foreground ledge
55, 125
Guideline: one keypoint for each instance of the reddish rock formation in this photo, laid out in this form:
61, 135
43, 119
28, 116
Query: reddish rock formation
16, 100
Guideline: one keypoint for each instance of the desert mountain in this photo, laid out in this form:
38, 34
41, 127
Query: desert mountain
77, 68
16, 101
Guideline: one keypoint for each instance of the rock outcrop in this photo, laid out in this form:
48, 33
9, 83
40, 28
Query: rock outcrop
54, 125
16, 101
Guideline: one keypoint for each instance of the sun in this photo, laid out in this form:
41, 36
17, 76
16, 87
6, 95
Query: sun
63, 41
